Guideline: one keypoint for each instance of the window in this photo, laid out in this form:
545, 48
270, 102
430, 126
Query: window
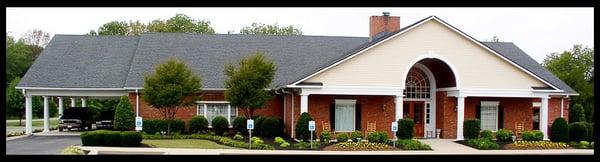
212, 110
489, 115
344, 115
417, 84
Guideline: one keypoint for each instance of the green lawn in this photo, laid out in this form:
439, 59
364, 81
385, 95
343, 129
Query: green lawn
185, 143
53, 121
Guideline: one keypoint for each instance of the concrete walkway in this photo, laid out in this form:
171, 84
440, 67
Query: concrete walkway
439, 146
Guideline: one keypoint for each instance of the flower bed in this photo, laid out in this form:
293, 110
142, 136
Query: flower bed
360, 146
526, 145
218, 139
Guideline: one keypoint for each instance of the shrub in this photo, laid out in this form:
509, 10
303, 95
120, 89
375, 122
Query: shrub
279, 140
405, 128
471, 128
342, 137
284, 145
411, 144
238, 136
534, 135
576, 114
325, 136
239, 124
578, 131
111, 138
158, 126
256, 141
302, 127
198, 124
378, 137
258, 121
124, 116
93, 138
559, 131
356, 135
584, 144
131, 138
361, 146
590, 131
220, 125
482, 143
306, 145
270, 127
487, 134
504, 135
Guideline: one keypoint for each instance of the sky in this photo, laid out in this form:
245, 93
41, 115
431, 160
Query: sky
537, 31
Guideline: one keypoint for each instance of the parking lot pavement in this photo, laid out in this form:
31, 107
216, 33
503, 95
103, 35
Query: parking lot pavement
40, 144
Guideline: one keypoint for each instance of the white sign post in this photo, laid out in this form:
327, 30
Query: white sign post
250, 126
311, 128
395, 129
138, 123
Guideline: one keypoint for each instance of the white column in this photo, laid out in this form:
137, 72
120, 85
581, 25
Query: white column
28, 117
229, 113
561, 107
303, 103
399, 110
460, 116
137, 103
83, 102
60, 106
72, 102
46, 115
544, 117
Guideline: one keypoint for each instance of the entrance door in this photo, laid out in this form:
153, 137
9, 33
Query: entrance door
415, 110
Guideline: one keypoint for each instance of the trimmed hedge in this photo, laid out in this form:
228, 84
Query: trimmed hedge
504, 135
270, 127
559, 131
471, 128
198, 124
302, 127
342, 137
487, 134
239, 124
356, 135
158, 125
578, 131
405, 128
111, 138
482, 143
325, 136
377, 137
220, 125
534, 135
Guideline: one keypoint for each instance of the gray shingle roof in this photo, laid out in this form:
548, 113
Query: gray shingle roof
515, 54
76, 61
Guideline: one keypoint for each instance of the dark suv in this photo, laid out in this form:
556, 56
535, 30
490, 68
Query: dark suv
75, 118
105, 121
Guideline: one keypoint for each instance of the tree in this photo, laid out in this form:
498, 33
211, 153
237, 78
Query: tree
124, 116
275, 29
18, 53
576, 114
246, 85
172, 86
136, 28
92, 32
36, 39
114, 28
15, 101
301, 129
576, 68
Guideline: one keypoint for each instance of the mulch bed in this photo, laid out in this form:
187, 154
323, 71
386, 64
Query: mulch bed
333, 148
271, 141
511, 146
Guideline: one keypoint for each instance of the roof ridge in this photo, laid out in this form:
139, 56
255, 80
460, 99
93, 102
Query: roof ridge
266, 35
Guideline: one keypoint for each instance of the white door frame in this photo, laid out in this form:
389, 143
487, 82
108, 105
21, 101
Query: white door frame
432, 90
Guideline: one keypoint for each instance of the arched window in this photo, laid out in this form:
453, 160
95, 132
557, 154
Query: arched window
417, 84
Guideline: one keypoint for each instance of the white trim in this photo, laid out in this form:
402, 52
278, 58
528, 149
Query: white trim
211, 102
73, 93
432, 95
418, 24
497, 104
446, 89
133, 88
345, 101
354, 90
74, 89
431, 54
536, 104
561, 106
519, 93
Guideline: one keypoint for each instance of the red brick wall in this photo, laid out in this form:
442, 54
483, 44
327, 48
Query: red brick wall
446, 115
515, 110
379, 109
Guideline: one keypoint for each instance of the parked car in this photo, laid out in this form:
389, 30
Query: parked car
75, 118
106, 119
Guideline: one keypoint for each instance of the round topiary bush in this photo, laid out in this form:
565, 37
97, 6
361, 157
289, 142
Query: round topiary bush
487, 134
504, 135
578, 131
302, 127
270, 127
124, 116
342, 137
239, 124
356, 136
405, 128
325, 136
220, 125
559, 131
533, 135
471, 128
198, 124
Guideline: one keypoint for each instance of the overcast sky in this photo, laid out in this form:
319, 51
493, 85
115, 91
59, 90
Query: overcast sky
537, 31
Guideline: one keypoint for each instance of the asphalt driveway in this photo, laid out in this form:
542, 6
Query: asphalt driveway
40, 144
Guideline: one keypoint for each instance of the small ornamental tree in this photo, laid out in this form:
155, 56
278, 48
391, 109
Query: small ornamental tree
246, 83
559, 130
124, 116
471, 128
302, 127
15, 101
576, 114
172, 86
405, 128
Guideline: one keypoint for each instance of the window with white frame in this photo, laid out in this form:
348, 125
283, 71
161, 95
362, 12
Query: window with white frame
417, 84
344, 115
212, 110
489, 115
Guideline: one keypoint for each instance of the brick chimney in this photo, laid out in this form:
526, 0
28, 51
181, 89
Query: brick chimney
385, 23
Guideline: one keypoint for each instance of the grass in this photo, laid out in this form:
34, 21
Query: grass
185, 143
39, 123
